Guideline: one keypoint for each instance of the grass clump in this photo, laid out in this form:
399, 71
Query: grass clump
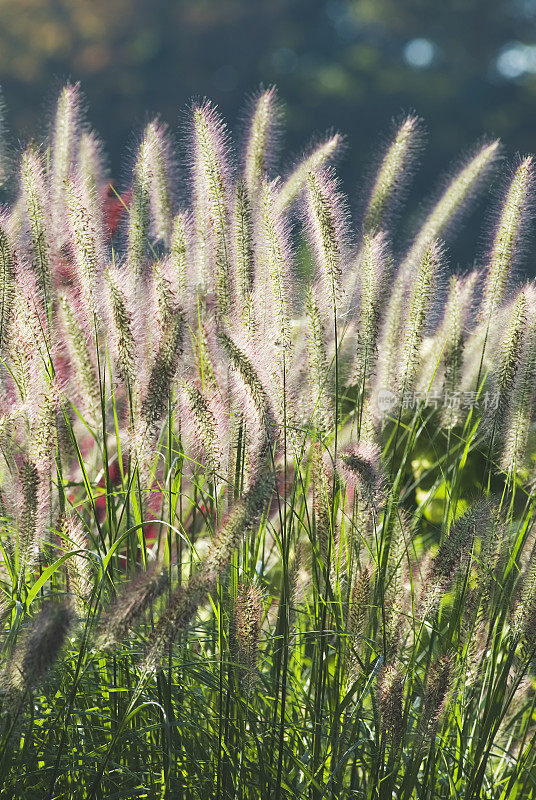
267, 491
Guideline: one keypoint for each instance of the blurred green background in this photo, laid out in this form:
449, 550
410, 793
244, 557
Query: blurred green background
467, 66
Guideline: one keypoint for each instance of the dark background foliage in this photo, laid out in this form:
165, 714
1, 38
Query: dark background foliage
467, 66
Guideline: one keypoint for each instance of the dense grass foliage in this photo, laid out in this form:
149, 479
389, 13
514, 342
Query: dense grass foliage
267, 481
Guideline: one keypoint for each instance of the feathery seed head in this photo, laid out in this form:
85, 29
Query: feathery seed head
361, 467
204, 422
179, 251
78, 567
393, 173
138, 213
326, 218
27, 527
4, 157
130, 605
253, 388
244, 256
358, 614
160, 179
243, 517
248, 617
506, 245
40, 646
122, 332
319, 156
390, 696
396, 570
22, 351
42, 414
65, 140
444, 360
164, 297
452, 201
360, 602
7, 284
322, 403
419, 305
389, 356
373, 265
84, 242
91, 176
91, 171
436, 695
163, 371
452, 554
33, 192
510, 353
211, 196
519, 414
261, 133
277, 256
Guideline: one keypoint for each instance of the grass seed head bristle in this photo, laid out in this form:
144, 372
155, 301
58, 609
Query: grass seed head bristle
85, 245
389, 356
449, 343
122, 330
27, 527
436, 696
138, 213
318, 368
417, 315
179, 251
248, 616
164, 368
392, 174
326, 222
205, 425
510, 354
244, 257
516, 427
160, 180
7, 285
5, 165
42, 446
34, 194
65, 142
358, 614
515, 213
253, 388
22, 353
211, 202
78, 567
320, 156
390, 697
361, 468
451, 556
373, 266
261, 132
91, 175
242, 518
40, 647
395, 590
166, 305
452, 201
129, 607
276, 251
